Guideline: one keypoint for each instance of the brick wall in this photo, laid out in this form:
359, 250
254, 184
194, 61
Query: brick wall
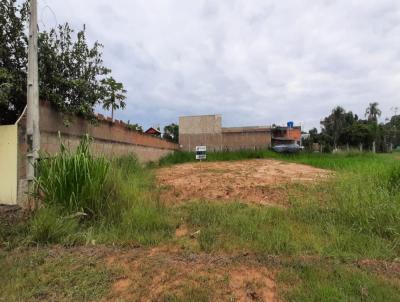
109, 138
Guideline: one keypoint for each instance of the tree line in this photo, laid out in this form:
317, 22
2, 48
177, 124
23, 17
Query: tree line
344, 129
72, 74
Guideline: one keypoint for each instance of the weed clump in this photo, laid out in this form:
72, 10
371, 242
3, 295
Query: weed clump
74, 181
108, 200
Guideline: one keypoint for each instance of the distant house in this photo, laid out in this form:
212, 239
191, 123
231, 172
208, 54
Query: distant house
286, 135
153, 131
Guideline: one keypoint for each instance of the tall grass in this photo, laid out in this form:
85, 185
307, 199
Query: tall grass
74, 181
97, 200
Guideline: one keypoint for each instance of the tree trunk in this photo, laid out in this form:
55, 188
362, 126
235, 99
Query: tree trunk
112, 113
373, 147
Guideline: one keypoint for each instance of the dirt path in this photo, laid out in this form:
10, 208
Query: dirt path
262, 181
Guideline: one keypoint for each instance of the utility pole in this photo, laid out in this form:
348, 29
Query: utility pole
32, 124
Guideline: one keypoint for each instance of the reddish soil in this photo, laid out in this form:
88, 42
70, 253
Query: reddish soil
261, 181
161, 273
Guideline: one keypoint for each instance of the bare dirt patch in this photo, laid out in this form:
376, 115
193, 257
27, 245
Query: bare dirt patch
252, 284
168, 274
261, 181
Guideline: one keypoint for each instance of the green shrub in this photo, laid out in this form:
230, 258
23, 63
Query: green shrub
74, 181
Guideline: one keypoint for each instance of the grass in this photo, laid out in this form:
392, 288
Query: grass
337, 282
44, 275
74, 181
354, 215
87, 199
337, 161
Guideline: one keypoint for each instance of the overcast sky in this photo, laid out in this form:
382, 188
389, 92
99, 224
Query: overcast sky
254, 62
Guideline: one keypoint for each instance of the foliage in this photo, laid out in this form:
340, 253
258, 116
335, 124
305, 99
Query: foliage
106, 200
171, 133
115, 95
13, 60
334, 123
72, 74
75, 181
392, 130
373, 112
343, 128
70, 71
136, 127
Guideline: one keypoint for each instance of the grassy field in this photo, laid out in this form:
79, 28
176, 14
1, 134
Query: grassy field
339, 240
338, 161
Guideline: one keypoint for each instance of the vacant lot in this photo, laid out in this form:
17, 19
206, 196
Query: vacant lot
190, 231
261, 181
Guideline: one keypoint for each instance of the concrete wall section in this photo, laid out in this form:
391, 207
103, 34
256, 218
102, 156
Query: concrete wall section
207, 130
242, 138
202, 130
213, 141
201, 124
51, 144
8, 164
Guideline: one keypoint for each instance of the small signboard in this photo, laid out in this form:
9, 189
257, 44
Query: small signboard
201, 152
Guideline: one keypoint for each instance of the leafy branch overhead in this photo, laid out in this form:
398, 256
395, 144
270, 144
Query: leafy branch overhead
73, 77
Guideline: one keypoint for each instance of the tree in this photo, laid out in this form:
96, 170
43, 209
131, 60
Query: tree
136, 127
70, 70
13, 60
333, 125
171, 133
373, 112
392, 130
115, 95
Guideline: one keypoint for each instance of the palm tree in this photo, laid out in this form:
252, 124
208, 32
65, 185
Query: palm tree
114, 95
373, 112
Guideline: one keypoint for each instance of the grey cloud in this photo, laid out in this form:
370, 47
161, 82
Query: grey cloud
255, 62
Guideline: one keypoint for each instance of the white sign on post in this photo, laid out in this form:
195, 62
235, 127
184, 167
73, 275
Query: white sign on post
201, 152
